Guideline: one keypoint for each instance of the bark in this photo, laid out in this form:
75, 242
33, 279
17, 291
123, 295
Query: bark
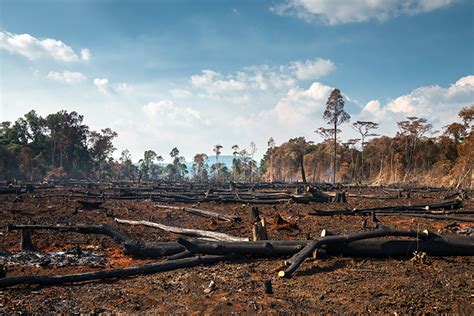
259, 230
26, 243
303, 174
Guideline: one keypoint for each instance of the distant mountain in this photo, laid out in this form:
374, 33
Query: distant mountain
225, 159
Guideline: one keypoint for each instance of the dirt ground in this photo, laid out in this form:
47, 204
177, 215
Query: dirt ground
332, 285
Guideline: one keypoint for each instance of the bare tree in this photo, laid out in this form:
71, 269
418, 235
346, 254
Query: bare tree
335, 115
253, 150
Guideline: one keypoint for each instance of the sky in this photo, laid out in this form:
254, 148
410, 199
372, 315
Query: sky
193, 74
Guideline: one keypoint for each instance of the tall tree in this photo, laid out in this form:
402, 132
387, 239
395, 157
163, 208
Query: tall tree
126, 167
145, 164
216, 166
236, 165
101, 147
252, 164
199, 166
364, 128
411, 131
297, 149
335, 115
177, 169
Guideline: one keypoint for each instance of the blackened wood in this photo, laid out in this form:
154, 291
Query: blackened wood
306, 252
26, 242
114, 273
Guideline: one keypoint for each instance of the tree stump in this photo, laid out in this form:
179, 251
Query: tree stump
340, 197
26, 243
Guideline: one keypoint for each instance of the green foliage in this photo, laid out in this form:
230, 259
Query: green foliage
33, 146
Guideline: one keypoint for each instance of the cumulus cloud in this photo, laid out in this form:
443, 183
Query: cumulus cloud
238, 87
67, 76
104, 86
300, 104
165, 112
340, 11
298, 108
433, 102
312, 69
214, 82
85, 54
34, 48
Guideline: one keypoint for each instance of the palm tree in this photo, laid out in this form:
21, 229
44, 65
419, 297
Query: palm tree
217, 150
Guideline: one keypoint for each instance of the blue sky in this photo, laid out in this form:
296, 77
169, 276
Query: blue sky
195, 73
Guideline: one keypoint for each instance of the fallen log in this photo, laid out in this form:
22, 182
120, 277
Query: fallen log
114, 273
99, 229
432, 216
204, 213
439, 246
184, 231
450, 206
298, 258
368, 248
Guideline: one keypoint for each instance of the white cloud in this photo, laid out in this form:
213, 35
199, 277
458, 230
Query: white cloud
433, 102
300, 104
180, 93
312, 69
104, 86
34, 48
299, 112
241, 86
214, 82
67, 76
165, 112
85, 54
342, 11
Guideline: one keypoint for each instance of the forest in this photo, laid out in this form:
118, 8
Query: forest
61, 146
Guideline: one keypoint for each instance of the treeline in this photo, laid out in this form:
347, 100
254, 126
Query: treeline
61, 146
57, 146
413, 155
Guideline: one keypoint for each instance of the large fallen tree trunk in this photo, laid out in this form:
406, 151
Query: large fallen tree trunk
371, 248
448, 207
432, 216
204, 213
112, 274
308, 250
184, 231
443, 246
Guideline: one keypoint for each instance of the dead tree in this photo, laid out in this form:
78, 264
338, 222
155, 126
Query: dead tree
184, 231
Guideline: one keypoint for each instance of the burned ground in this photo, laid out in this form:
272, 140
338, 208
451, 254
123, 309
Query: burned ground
335, 284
